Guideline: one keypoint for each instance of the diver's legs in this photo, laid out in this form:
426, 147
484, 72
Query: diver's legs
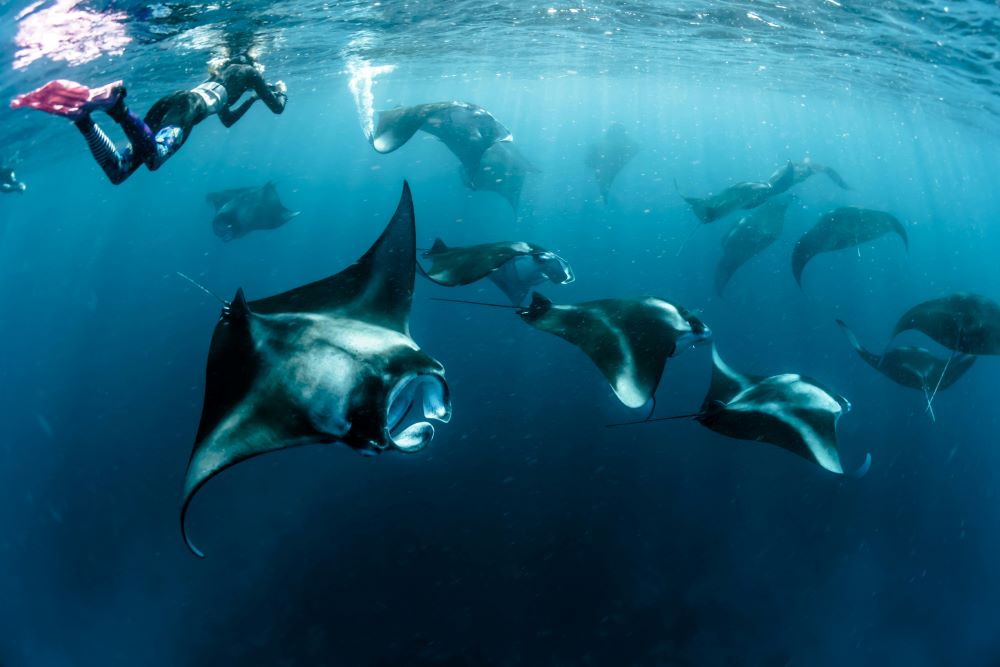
147, 147
139, 135
117, 165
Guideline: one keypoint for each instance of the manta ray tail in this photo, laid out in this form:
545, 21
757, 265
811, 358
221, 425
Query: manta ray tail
930, 404
203, 288
423, 272
475, 303
686, 239
650, 419
930, 400
698, 206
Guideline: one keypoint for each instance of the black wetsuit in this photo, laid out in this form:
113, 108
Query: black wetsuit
169, 121
9, 182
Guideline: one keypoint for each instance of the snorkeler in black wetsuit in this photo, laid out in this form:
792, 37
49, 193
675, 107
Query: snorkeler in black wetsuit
168, 122
9, 182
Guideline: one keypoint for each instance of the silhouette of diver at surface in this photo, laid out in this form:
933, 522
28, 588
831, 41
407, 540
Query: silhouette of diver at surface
8, 180
153, 140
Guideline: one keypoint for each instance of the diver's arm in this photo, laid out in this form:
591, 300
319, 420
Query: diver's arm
273, 95
229, 116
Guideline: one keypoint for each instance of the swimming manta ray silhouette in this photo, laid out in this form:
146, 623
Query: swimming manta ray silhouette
331, 361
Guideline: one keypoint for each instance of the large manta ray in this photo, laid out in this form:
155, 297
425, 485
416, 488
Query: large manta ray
914, 367
751, 194
502, 169
788, 410
841, 228
962, 322
607, 157
242, 210
794, 173
629, 340
747, 238
513, 266
466, 129
331, 361
745, 195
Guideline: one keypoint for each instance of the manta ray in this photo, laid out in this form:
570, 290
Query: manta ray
513, 266
747, 238
794, 173
744, 195
243, 210
788, 410
914, 367
962, 322
607, 157
751, 194
466, 129
841, 228
629, 340
331, 361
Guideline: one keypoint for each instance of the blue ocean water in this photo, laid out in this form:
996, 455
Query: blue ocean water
527, 533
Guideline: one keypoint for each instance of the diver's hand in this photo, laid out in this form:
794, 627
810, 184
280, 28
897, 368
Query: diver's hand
279, 90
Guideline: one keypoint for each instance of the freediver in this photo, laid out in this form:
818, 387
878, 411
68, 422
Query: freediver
153, 140
9, 182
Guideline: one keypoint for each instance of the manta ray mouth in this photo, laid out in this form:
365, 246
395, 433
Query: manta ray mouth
699, 334
435, 402
556, 269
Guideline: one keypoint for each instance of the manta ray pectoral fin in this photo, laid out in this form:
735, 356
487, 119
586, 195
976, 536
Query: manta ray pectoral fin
834, 176
395, 127
872, 359
724, 272
800, 257
378, 288
252, 428
219, 199
851, 338
862, 469
423, 273
900, 230
725, 384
